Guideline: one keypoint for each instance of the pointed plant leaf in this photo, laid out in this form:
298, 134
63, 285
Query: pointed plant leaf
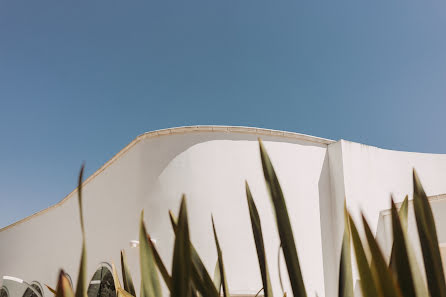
120, 292
283, 225
217, 277
81, 287
384, 280
126, 276
401, 263
51, 289
160, 264
417, 275
368, 287
200, 276
63, 288
428, 239
173, 221
150, 285
224, 282
345, 288
115, 277
402, 214
260, 247
181, 264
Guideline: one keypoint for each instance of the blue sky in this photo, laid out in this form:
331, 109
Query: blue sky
80, 79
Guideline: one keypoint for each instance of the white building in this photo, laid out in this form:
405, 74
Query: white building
210, 165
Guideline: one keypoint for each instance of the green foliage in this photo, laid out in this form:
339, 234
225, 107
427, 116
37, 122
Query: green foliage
221, 266
400, 266
402, 277
283, 224
182, 263
428, 240
150, 285
258, 238
126, 276
81, 287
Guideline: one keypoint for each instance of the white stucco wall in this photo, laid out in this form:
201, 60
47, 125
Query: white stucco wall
384, 232
371, 174
210, 166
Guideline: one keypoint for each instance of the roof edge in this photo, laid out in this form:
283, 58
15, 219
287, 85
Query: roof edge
235, 129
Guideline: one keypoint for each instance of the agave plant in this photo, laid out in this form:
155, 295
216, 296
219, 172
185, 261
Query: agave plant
401, 277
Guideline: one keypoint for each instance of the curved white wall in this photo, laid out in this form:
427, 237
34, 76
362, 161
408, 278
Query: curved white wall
212, 173
210, 165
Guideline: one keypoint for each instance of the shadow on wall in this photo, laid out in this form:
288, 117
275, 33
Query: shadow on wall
331, 216
167, 148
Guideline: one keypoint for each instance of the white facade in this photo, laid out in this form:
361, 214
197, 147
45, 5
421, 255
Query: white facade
210, 165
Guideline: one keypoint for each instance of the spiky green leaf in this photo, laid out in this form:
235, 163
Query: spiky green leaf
283, 224
81, 287
418, 276
115, 277
384, 280
401, 264
217, 277
160, 264
200, 276
51, 289
428, 239
150, 285
181, 264
63, 288
126, 276
224, 282
260, 247
368, 286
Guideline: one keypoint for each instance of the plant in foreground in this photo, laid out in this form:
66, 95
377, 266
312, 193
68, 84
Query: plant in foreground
401, 277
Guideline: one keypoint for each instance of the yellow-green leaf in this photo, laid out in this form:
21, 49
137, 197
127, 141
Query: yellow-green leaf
384, 280
120, 292
160, 264
181, 264
220, 263
51, 289
401, 264
283, 224
428, 239
200, 276
418, 277
217, 277
63, 286
368, 286
81, 287
126, 276
150, 284
260, 247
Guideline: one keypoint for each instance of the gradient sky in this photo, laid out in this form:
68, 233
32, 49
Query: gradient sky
81, 79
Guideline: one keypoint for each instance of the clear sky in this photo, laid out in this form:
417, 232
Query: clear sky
81, 79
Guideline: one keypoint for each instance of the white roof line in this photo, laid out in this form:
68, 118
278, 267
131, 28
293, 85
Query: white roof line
235, 129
